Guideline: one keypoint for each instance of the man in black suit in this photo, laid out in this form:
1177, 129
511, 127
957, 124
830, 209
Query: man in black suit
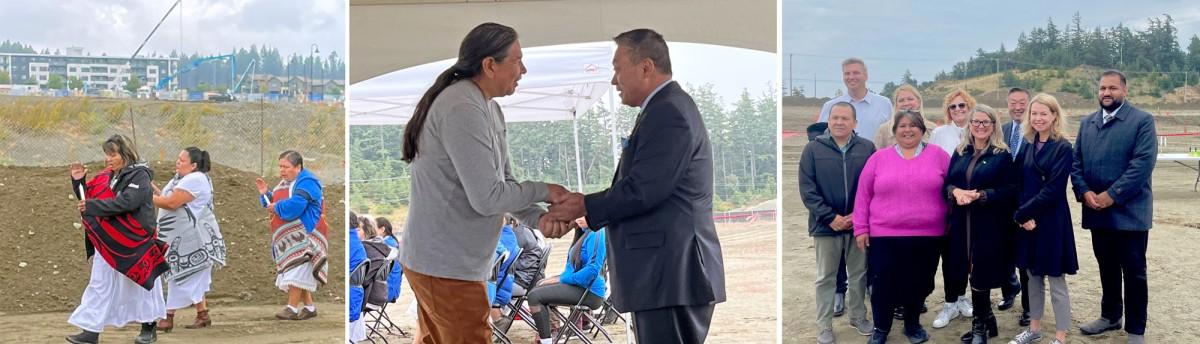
665, 259
1018, 101
1115, 154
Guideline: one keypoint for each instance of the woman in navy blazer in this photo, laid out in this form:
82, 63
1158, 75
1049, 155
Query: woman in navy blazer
1045, 242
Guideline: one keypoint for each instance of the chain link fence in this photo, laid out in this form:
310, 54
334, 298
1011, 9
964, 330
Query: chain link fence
45, 131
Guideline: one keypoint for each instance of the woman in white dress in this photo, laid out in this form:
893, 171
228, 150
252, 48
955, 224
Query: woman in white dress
126, 255
189, 227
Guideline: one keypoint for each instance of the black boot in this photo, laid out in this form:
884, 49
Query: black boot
85, 337
989, 325
878, 337
979, 332
1024, 319
148, 334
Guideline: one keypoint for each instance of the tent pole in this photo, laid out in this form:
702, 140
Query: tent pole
612, 120
578, 163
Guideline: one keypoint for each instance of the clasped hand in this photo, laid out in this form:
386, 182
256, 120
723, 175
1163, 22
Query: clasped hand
965, 197
565, 207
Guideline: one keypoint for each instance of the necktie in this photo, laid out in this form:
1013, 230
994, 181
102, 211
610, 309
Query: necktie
1108, 117
1014, 140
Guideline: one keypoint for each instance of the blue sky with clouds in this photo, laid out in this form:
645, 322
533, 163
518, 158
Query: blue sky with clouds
930, 36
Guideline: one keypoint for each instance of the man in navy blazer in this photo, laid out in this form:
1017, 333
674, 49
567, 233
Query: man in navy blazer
665, 259
1018, 102
1115, 154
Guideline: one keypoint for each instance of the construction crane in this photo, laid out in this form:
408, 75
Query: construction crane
162, 83
237, 87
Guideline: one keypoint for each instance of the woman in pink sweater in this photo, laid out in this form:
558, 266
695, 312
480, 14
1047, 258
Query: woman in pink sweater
899, 213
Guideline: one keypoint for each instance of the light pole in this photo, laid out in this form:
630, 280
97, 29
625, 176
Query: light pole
311, 52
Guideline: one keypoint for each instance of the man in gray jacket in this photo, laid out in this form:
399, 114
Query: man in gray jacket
829, 169
1115, 154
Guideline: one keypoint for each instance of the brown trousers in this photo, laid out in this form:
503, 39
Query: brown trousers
450, 311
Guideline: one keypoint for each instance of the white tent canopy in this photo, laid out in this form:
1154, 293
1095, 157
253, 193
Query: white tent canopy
562, 82
388, 35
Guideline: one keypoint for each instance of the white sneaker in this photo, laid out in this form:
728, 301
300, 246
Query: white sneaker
964, 307
949, 312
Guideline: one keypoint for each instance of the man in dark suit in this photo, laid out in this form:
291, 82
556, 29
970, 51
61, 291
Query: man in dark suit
665, 259
1018, 101
1115, 154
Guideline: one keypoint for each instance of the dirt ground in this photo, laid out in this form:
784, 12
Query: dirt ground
232, 322
43, 269
1170, 259
749, 315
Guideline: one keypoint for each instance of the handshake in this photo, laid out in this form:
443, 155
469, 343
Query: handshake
565, 207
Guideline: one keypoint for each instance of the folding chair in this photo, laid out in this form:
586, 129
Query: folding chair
497, 265
517, 305
579, 313
358, 277
382, 315
374, 304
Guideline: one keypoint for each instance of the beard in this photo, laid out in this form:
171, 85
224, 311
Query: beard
1116, 103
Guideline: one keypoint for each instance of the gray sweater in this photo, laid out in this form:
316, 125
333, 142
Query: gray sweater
461, 188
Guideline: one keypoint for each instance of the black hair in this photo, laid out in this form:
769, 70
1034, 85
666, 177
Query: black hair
913, 116
119, 144
1112, 72
646, 44
200, 158
484, 41
853, 111
381, 222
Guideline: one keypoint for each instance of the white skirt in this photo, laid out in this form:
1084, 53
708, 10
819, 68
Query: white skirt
300, 277
358, 330
184, 294
111, 299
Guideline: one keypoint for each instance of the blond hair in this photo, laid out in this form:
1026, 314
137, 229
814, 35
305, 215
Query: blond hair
995, 139
1056, 128
910, 89
971, 103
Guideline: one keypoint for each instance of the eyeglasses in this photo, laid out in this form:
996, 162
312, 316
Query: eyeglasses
980, 123
957, 106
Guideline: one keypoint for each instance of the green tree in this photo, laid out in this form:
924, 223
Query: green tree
133, 84
55, 82
5, 78
75, 83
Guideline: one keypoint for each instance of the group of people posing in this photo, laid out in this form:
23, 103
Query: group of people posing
138, 237
888, 197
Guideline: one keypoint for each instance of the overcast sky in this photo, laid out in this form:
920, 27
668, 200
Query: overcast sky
929, 36
117, 27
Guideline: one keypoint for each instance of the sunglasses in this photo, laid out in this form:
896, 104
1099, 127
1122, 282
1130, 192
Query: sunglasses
957, 106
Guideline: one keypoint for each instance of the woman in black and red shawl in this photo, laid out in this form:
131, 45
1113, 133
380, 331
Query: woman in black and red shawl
122, 242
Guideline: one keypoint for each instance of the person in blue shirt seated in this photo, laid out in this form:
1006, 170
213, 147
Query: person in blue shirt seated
581, 279
383, 229
357, 255
500, 288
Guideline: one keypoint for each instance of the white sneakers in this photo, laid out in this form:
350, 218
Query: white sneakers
951, 310
964, 307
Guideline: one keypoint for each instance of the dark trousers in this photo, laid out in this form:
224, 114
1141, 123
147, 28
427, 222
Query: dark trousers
1017, 283
954, 273
981, 301
671, 325
1121, 256
903, 269
841, 276
547, 296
